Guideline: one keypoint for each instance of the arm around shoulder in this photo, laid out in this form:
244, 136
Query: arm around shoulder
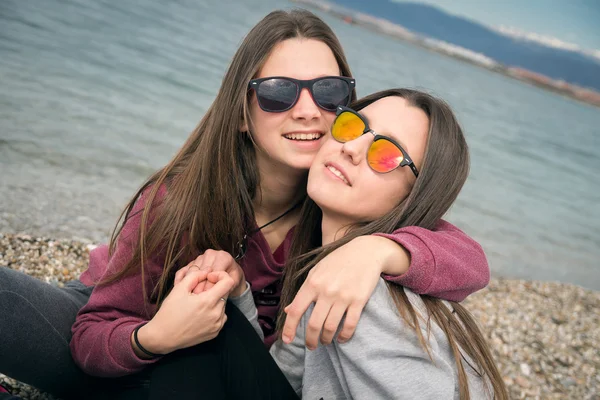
444, 262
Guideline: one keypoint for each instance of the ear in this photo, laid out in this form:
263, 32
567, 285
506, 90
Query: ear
243, 125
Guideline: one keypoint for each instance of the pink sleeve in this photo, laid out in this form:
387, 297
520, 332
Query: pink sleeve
101, 341
445, 262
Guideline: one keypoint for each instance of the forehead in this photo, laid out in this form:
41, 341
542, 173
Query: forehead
301, 59
393, 116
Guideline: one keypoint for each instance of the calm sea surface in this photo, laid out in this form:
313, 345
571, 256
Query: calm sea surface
96, 95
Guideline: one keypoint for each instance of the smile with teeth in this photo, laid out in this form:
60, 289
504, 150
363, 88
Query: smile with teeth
337, 173
303, 136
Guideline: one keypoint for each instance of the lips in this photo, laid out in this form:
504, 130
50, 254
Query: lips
339, 172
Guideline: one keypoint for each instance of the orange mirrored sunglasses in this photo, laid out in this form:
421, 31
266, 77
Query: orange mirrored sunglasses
384, 155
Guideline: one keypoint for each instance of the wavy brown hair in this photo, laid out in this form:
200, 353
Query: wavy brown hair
444, 171
213, 178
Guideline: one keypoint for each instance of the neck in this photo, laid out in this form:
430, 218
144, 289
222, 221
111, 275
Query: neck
333, 228
279, 189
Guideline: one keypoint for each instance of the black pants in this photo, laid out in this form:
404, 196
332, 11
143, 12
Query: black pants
35, 330
234, 365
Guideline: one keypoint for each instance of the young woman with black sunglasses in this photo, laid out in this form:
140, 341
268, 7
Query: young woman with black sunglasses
233, 189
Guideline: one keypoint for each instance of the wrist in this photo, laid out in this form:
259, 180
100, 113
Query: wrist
239, 289
150, 339
394, 259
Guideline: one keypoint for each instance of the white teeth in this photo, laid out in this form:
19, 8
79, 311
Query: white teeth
337, 173
303, 136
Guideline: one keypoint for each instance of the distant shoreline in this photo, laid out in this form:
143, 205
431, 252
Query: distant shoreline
378, 25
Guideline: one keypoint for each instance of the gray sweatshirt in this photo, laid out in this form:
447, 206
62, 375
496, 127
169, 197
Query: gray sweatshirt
383, 360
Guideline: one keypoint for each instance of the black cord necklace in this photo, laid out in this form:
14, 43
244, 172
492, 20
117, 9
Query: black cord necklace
243, 244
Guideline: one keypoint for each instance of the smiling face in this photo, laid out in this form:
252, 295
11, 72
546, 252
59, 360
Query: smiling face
290, 139
341, 181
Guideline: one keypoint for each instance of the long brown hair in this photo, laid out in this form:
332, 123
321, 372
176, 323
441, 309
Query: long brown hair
213, 179
444, 171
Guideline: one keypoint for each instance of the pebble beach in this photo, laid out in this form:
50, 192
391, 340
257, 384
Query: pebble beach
545, 336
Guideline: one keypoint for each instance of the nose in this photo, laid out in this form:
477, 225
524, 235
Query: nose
305, 108
357, 149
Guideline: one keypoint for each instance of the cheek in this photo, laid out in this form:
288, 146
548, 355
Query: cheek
329, 148
329, 117
312, 184
265, 123
317, 188
381, 198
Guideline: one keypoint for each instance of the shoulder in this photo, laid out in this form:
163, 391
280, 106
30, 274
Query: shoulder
151, 193
381, 322
151, 197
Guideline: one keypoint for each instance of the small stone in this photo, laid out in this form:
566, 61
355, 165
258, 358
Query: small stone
524, 383
567, 382
559, 320
564, 360
525, 369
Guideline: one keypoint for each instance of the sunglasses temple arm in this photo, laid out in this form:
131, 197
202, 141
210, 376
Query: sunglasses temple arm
414, 169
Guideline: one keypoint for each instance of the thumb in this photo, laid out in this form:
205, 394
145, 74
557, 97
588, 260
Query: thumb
192, 279
223, 284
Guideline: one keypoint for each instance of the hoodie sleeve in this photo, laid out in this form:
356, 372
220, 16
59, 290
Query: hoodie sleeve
101, 341
245, 303
290, 357
445, 262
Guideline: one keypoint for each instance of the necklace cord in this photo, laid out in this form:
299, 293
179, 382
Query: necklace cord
242, 245
276, 219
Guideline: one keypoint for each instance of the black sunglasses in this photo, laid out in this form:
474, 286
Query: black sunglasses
279, 93
384, 154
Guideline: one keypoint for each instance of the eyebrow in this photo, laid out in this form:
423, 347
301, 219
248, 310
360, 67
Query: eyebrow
384, 133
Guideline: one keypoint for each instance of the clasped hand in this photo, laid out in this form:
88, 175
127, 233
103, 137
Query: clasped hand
215, 260
193, 312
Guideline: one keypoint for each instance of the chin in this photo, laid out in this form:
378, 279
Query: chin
319, 192
301, 163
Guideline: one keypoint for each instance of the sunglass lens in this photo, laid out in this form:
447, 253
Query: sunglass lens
384, 156
331, 92
277, 94
347, 126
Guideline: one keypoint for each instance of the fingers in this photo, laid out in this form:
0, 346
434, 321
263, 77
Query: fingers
208, 285
217, 260
192, 279
315, 323
294, 312
221, 303
196, 265
180, 274
223, 284
200, 287
352, 318
333, 322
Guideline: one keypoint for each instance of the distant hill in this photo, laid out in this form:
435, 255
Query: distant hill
433, 22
